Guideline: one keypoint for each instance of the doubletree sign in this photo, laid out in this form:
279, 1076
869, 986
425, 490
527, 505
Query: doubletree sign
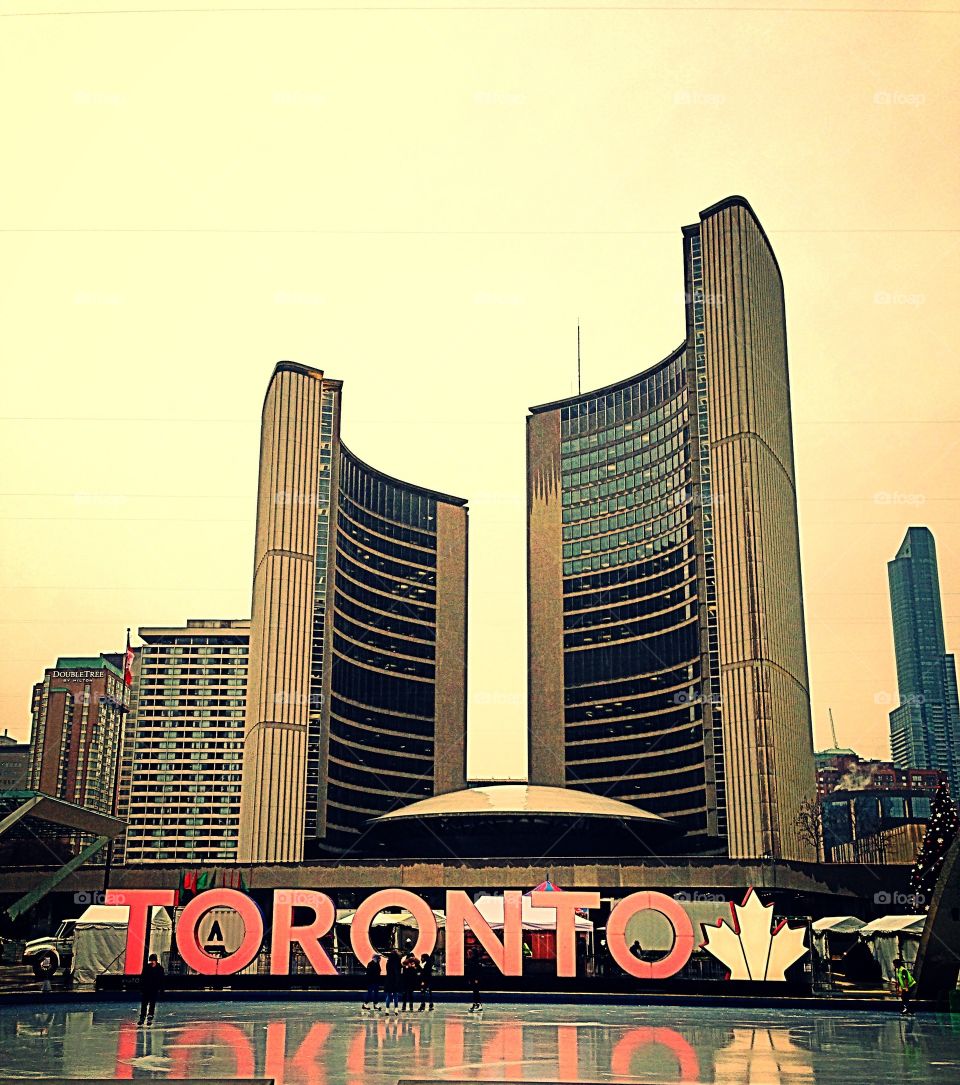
749, 944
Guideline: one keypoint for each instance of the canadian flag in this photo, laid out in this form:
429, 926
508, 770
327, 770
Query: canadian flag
128, 664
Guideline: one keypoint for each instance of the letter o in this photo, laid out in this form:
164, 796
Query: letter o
683, 938
188, 942
392, 898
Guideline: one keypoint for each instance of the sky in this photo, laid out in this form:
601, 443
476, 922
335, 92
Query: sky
424, 201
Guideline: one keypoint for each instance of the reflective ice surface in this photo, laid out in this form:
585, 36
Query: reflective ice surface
333, 1043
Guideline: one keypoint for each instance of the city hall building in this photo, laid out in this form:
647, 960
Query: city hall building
667, 655
356, 696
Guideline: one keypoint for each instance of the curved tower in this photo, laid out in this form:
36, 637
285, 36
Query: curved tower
667, 647
356, 690
397, 709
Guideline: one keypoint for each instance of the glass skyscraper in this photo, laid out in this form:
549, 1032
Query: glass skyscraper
925, 726
667, 653
356, 698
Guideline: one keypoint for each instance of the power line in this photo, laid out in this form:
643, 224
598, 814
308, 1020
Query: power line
500, 9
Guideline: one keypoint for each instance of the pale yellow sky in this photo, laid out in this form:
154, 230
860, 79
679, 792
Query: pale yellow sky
423, 203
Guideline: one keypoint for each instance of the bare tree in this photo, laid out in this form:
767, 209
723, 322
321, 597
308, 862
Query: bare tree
809, 826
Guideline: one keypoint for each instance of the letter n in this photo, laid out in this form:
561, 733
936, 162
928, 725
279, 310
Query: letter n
462, 913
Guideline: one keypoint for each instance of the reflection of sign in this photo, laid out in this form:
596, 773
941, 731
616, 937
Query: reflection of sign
221, 931
687, 1052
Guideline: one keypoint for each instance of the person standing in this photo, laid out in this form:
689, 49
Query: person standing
409, 980
905, 984
472, 974
373, 983
426, 980
393, 981
151, 984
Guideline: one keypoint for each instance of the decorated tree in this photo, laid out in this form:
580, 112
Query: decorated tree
941, 833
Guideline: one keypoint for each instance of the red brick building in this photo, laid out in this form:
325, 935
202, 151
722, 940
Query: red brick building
78, 715
845, 770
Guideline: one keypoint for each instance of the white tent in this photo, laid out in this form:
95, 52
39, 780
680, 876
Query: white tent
100, 941
837, 924
893, 936
894, 924
532, 919
390, 918
824, 928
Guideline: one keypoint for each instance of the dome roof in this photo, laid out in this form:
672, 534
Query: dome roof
533, 800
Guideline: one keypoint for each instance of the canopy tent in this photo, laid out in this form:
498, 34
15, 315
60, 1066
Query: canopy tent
834, 935
392, 918
100, 941
532, 919
894, 924
893, 936
837, 924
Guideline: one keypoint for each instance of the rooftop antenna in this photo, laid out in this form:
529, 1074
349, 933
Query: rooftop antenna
833, 730
578, 357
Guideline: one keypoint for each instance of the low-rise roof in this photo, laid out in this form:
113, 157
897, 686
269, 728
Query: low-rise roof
895, 924
838, 924
534, 800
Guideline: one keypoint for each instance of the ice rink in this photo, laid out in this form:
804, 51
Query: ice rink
334, 1043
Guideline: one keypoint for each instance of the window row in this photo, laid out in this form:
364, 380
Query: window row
573, 495
644, 462
615, 540
387, 566
398, 590
638, 397
632, 554
383, 497
632, 513
401, 532
630, 427
613, 662
623, 441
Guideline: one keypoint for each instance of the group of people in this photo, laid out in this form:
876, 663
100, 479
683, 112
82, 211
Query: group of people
402, 976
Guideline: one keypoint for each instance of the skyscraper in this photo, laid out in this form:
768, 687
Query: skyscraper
925, 726
667, 653
356, 697
181, 769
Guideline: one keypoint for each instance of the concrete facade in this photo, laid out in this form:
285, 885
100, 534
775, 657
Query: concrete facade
356, 697
666, 643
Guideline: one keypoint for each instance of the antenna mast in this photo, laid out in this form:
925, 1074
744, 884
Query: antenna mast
833, 730
578, 357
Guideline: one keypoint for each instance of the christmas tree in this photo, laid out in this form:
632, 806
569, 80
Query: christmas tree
941, 833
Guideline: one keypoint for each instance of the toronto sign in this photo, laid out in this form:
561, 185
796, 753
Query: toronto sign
746, 941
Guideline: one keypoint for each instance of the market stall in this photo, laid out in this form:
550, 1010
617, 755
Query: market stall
893, 936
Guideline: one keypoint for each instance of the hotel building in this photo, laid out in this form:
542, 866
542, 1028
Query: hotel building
77, 724
667, 653
356, 697
182, 760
